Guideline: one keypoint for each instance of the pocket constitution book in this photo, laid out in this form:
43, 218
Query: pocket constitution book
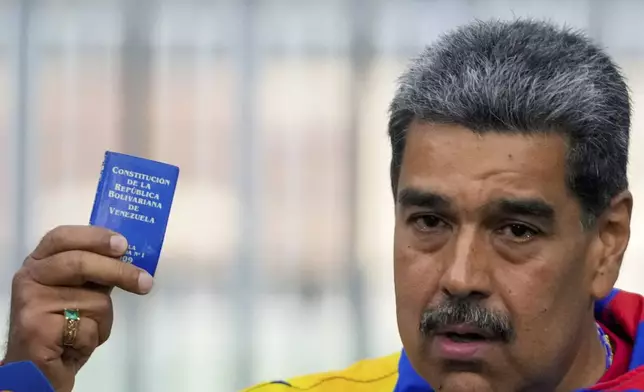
134, 198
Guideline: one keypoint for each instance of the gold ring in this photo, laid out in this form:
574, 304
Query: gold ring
72, 320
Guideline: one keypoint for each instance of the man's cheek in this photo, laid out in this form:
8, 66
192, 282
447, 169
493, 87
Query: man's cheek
408, 318
415, 290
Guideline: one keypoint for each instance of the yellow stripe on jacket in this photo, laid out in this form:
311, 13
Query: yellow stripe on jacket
369, 375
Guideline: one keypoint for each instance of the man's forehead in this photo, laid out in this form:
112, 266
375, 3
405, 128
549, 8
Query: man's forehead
452, 144
443, 136
454, 160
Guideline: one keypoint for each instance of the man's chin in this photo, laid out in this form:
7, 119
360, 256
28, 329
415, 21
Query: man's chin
456, 365
463, 381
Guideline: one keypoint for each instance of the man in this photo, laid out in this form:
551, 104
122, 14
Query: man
510, 146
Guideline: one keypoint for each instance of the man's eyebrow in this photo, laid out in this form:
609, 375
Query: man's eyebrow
528, 207
536, 208
413, 197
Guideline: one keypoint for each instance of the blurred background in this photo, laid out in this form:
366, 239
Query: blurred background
277, 258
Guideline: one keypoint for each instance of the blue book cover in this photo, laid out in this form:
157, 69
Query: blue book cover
23, 377
133, 198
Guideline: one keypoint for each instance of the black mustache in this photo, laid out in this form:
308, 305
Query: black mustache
461, 311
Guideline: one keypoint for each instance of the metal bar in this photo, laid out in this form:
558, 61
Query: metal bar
203, 84
135, 100
136, 78
596, 9
362, 14
245, 280
69, 132
24, 160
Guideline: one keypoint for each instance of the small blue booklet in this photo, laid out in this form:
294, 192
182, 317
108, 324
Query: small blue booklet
134, 198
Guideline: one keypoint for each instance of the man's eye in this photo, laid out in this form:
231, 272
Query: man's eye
519, 232
427, 222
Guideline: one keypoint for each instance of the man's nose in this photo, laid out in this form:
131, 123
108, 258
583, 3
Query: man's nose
466, 270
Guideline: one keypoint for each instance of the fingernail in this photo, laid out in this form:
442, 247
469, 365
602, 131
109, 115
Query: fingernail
145, 282
118, 243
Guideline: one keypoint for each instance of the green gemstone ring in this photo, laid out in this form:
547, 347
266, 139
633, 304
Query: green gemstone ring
72, 319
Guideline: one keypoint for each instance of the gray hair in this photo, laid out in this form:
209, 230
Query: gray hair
524, 77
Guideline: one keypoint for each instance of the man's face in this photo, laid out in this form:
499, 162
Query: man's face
495, 275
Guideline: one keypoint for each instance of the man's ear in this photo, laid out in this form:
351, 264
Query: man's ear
613, 229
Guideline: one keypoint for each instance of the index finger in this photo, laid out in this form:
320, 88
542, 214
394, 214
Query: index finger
77, 268
88, 238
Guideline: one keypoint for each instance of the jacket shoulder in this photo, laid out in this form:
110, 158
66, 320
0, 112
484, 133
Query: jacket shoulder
373, 375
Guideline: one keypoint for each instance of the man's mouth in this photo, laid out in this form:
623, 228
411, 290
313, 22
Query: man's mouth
464, 338
464, 333
462, 342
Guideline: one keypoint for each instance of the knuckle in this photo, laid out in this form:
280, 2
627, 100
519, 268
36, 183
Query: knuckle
127, 274
28, 261
27, 324
28, 272
22, 290
72, 262
17, 282
55, 237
